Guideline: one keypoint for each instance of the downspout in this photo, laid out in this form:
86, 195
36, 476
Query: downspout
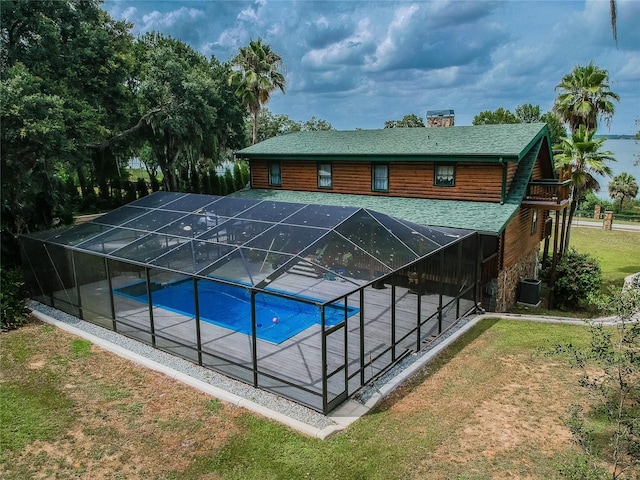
503, 192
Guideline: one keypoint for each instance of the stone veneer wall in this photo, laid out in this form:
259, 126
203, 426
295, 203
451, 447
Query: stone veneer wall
509, 278
447, 121
608, 220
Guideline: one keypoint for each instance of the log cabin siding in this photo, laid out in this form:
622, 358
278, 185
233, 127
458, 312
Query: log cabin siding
537, 171
473, 181
511, 173
259, 174
518, 239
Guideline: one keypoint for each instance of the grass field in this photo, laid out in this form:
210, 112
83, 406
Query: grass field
617, 252
490, 407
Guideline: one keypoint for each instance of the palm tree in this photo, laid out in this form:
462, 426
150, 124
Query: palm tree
623, 186
584, 97
582, 155
257, 75
613, 10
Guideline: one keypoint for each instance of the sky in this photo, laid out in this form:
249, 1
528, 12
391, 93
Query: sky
358, 64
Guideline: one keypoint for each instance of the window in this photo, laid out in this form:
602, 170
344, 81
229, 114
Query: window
324, 175
274, 174
380, 179
534, 223
445, 176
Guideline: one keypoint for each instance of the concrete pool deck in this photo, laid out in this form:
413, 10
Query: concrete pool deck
338, 419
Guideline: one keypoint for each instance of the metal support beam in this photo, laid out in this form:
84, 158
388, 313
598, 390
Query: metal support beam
150, 305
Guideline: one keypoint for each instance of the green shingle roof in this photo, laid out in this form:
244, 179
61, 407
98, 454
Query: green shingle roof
484, 142
484, 217
523, 175
517, 142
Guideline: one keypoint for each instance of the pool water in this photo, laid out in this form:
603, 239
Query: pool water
277, 318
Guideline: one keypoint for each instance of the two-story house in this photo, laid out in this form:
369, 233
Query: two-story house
498, 180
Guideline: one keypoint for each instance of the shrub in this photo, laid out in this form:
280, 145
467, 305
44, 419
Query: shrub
609, 429
13, 299
228, 178
578, 275
238, 183
155, 183
89, 203
130, 192
142, 188
589, 202
245, 175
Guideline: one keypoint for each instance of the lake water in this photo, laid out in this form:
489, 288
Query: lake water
625, 152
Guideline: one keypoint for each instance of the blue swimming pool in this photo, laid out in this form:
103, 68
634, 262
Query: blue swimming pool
277, 318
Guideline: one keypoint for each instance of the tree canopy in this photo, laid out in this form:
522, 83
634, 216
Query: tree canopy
622, 187
582, 153
270, 125
185, 106
80, 97
408, 121
257, 74
526, 113
315, 125
556, 128
584, 97
64, 68
496, 117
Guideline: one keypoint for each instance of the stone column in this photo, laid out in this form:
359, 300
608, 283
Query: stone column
596, 212
608, 220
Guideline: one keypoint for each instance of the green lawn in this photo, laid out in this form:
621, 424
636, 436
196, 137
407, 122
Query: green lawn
491, 406
618, 252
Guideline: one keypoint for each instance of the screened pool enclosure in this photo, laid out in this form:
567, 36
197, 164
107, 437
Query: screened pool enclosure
310, 302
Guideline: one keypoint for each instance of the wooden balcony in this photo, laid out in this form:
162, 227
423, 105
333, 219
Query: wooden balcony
547, 194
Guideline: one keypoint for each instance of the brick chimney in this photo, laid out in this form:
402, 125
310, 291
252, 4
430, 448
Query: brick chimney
440, 118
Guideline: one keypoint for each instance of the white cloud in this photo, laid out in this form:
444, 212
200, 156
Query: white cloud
157, 20
348, 51
321, 21
248, 15
231, 38
359, 63
387, 49
629, 69
254, 14
120, 11
275, 30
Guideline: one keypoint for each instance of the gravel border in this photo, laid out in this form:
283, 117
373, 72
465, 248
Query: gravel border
263, 398
365, 394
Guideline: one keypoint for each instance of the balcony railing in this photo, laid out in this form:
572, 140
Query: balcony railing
548, 192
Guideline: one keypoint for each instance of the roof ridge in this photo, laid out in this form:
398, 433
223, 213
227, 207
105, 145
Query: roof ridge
475, 141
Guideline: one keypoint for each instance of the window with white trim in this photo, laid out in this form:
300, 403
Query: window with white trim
444, 176
275, 178
380, 177
324, 175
